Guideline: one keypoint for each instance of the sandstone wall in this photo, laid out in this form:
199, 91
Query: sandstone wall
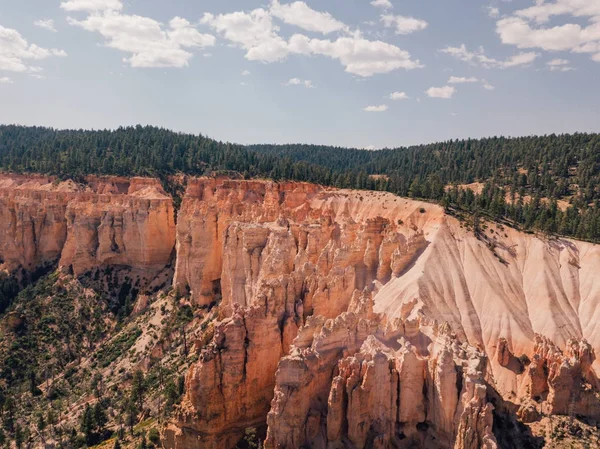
334, 301
109, 221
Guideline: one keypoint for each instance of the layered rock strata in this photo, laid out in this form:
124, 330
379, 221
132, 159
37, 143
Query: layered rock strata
272, 255
284, 262
357, 385
108, 221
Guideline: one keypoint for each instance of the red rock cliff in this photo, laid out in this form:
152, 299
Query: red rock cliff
108, 221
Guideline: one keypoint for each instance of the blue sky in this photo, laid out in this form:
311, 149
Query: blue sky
361, 73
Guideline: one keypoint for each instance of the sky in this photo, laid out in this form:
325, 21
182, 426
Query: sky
358, 73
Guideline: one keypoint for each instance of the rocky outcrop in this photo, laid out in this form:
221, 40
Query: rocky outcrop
560, 383
377, 396
108, 221
308, 260
330, 302
230, 388
335, 241
130, 230
284, 252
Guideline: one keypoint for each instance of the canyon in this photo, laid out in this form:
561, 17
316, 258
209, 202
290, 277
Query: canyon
344, 318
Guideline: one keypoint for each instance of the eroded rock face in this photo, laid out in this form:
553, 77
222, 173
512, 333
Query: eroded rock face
109, 221
377, 396
334, 242
287, 253
334, 306
307, 261
560, 383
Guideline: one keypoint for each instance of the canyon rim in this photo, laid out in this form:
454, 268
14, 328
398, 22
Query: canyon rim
327, 318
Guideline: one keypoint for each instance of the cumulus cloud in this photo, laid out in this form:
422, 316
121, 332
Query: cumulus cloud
462, 79
384, 4
445, 92
403, 25
378, 108
525, 28
256, 33
246, 73
146, 40
360, 56
5, 80
16, 53
298, 82
253, 31
399, 96
301, 15
46, 24
542, 12
487, 86
479, 57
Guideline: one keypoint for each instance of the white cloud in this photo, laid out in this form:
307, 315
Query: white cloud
525, 29
145, 39
403, 25
516, 31
471, 79
520, 59
92, 5
16, 52
5, 80
462, 79
256, 33
542, 11
246, 73
559, 65
47, 24
479, 58
384, 4
379, 108
298, 82
399, 96
301, 15
493, 12
445, 92
360, 56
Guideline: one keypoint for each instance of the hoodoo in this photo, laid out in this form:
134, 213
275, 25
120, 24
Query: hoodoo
333, 318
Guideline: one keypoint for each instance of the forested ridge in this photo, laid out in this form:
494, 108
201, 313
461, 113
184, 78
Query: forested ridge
524, 178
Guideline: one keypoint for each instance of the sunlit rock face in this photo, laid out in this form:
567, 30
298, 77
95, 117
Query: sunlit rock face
327, 292
107, 221
345, 318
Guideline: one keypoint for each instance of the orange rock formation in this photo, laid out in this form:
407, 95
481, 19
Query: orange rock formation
347, 318
111, 221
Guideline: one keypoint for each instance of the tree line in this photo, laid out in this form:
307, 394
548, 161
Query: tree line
523, 178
